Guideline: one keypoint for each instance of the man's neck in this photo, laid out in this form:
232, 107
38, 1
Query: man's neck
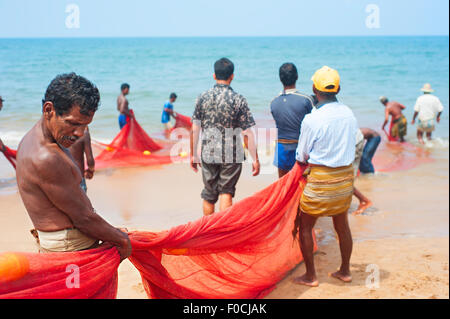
46, 134
223, 82
289, 87
325, 101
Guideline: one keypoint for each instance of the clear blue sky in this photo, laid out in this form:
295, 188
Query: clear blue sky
179, 18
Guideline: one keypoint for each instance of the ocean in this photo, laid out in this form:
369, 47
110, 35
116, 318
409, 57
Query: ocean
396, 67
407, 204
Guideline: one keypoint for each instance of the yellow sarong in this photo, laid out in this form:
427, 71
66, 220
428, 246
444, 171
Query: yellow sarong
399, 128
328, 191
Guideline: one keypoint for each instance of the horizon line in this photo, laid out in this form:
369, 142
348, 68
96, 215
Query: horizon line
222, 36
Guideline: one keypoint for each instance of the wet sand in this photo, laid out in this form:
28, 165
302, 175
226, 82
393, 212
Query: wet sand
405, 233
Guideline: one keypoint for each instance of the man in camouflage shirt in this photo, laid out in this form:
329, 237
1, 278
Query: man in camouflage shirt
223, 115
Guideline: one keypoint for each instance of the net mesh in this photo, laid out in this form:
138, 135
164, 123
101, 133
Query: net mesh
132, 147
241, 252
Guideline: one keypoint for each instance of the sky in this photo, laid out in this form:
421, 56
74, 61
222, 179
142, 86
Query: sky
212, 18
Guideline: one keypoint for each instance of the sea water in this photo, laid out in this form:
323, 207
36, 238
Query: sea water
396, 67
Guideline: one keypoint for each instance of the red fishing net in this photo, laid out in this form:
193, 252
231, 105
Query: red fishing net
85, 274
396, 156
10, 155
132, 147
241, 252
182, 121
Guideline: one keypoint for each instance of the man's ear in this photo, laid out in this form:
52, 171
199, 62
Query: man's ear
231, 77
214, 77
314, 89
48, 110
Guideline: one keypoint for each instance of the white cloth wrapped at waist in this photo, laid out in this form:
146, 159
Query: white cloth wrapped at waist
65, 240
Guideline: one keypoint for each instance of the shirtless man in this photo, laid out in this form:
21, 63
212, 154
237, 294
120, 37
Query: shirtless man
78, 150
122, 105
394, 109
49, 180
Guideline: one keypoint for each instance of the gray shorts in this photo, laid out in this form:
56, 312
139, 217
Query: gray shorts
219, 179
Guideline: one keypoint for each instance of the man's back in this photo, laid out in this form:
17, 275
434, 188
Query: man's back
288, 110
122, 103
328, 136
428, 105
219, 109
395, 109
165, 117
368, 133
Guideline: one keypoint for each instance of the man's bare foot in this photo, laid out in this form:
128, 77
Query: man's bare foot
305, 280
341, 276
362, 207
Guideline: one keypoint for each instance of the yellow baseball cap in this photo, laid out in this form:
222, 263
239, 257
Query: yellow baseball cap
326, 79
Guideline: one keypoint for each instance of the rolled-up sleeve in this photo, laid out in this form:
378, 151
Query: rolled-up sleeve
305, 143
245, 117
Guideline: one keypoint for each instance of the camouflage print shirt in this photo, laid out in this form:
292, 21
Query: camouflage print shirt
222, 114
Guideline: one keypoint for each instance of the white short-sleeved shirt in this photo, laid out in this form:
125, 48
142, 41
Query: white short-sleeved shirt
328, 136
428, 106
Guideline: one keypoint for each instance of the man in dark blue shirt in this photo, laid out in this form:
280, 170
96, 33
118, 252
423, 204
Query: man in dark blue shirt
288, 110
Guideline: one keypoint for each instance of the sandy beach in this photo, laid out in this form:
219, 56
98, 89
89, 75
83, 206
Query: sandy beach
404, 234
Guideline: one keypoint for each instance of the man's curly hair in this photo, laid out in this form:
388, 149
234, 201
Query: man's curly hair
68, 90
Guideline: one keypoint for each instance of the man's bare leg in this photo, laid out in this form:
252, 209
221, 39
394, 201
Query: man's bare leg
364, 202
420, 136
340, 223
225, 201
429, 136
282, 172
307, 223
208, 208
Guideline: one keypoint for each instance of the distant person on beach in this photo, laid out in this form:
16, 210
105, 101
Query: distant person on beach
122, 105
364, 202
2, 146
167, 113
288, 110
398, 120
223, 115
79, 150
327, 144
49, 180
373, 139
427, 107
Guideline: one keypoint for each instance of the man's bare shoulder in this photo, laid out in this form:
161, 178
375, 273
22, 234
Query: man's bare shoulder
51, 162
391, 107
